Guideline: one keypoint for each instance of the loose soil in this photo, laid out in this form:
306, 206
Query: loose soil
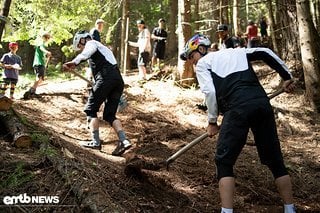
160, 119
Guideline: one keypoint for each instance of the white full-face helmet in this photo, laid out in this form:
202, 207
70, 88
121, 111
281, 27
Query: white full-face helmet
77, 39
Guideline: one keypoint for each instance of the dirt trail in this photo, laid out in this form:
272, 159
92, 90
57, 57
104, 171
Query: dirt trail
160, 119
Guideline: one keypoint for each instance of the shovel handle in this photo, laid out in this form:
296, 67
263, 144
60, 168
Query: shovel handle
80, 76
185, 148
276, 93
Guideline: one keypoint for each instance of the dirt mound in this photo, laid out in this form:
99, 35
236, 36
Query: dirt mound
161, 118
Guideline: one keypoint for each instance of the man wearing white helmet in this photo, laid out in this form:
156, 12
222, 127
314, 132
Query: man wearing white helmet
232, 88
108, 87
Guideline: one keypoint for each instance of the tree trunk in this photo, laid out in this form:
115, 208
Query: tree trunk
272, 27
309, 42
172, 41
287, 32
18, 131
4, 13
196, 15
5, 103
125, 15
185, 69
235, 15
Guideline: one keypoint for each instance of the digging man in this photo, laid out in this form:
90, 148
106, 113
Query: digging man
108, 87
232, 88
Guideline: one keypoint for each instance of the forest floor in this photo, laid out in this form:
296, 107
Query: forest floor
160, 119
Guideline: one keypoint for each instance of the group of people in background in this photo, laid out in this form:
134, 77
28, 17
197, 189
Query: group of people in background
12, 64
248, 39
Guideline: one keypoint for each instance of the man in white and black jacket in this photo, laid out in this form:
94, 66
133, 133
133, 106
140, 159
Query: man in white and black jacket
108, 87
232, 88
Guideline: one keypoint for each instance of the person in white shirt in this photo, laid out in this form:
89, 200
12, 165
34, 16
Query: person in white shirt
144, 46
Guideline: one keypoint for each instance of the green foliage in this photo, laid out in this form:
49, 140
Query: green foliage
15, 179
62, 18
68, 51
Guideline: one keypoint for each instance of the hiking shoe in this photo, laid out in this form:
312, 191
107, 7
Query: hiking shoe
91, 144
121, 148
202, 107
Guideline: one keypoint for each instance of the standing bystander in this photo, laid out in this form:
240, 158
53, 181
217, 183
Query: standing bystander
144, 46
252, 34
11, 63
226, 41
159, 35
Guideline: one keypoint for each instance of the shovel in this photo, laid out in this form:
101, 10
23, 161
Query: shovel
134, 166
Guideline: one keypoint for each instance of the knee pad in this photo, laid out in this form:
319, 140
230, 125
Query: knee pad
278, 169
223, 170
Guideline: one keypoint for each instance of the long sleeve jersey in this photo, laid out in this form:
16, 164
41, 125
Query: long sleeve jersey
100, 57
228, 80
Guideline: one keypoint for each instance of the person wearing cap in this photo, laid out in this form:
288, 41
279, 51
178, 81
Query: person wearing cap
144, 46
40, 61
108, 87
233, 90
226, 41
95, 32
11, 63
159, 36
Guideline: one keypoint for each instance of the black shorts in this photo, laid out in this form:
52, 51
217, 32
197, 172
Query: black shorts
109, 91
39, 70
10, 80
159, 50
143, 59
257, 115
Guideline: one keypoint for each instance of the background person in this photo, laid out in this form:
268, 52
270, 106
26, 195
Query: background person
226, 41
11, 63
159, 35
144, 46
252, 34
108, 87
233, 89
95, 32
41, 57
263, 27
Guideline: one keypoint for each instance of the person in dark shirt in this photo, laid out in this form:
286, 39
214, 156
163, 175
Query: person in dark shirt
95, 32
227, 41
263, 27
159, 35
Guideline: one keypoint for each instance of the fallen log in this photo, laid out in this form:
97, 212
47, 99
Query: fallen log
16, 129
5, 103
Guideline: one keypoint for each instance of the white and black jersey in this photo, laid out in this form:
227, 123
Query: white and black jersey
101, 58
227, 79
